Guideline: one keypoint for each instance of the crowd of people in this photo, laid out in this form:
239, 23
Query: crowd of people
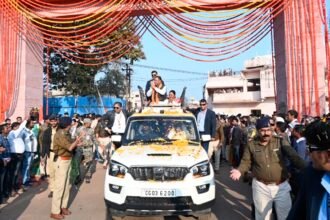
274, 152
277, 155
61, 150
270, 152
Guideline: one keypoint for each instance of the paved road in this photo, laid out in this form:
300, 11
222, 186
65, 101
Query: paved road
233, 201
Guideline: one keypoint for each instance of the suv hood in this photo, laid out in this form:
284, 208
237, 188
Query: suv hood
160, 155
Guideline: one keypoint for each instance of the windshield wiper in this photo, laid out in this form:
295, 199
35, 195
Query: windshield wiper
170, 141
143, 141
161, 141
193, 142
135, 142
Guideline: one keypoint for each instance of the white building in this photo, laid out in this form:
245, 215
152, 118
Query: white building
250, 91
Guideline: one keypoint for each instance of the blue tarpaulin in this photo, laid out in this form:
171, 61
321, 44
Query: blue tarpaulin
81, 104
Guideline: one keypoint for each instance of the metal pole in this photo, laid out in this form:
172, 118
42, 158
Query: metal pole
128, 78
47, 81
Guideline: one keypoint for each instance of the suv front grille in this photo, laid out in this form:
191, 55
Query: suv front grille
158, 173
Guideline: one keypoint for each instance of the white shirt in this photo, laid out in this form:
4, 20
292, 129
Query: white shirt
201, 120
52, 137
175, 102
73, 131
160, 91
293, 123
30, 140
15, 139
94, 123
119, 124
301, 139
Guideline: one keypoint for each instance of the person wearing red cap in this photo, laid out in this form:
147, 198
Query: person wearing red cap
265, 156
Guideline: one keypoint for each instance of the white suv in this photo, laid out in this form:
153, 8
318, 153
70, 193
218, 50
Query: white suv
161, 168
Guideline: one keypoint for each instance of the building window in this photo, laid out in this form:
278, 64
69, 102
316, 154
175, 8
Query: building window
253, 85
256, 112
229, 90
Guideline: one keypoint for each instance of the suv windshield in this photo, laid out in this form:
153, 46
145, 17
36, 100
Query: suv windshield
157, 129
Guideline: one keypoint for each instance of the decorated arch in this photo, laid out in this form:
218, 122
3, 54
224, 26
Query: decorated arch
200, 30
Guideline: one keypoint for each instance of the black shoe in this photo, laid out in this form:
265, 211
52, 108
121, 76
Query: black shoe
216, 171
88, 180
6, 195
77, 181
50, 195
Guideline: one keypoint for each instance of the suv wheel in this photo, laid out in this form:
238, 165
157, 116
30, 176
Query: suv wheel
108, 215
207, 216
111, 216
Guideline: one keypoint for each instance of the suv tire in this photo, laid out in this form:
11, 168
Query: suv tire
207, 216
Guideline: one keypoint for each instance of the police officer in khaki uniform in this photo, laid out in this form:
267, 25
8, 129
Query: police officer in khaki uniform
63, 146
265, 156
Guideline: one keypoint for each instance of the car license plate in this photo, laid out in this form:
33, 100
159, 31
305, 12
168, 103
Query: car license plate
158, 193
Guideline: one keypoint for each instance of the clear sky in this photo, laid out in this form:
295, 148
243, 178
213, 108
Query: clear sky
158, 56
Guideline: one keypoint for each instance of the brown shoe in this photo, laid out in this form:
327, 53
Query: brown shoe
65, 211
56, 216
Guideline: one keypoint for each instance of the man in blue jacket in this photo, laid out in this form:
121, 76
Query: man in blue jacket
314, 195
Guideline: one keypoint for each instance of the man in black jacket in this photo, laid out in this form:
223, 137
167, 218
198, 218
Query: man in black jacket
47, 153
314, 195
235, 140
116, 125
206, 124
116, 119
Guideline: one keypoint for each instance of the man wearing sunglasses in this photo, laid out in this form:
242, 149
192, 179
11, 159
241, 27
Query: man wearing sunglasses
154, 74
314, 195
116, 119
206, 124
265, 155
116, 126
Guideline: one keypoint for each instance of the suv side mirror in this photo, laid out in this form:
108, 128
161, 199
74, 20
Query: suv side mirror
116, 138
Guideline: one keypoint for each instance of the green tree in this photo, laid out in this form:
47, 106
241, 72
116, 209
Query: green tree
112, 83
77, 79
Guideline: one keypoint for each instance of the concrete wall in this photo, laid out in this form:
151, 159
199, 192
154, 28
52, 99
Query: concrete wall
30, 92
300, 59
266, 107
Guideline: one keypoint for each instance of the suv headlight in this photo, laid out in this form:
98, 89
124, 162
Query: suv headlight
116, 169
201, 169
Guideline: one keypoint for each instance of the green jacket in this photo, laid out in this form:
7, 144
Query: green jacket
267, 162
88, 138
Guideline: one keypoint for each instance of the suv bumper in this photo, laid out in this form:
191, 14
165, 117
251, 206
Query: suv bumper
139, 206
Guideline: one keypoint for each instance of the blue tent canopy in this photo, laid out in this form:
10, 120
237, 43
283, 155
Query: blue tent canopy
81, 104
